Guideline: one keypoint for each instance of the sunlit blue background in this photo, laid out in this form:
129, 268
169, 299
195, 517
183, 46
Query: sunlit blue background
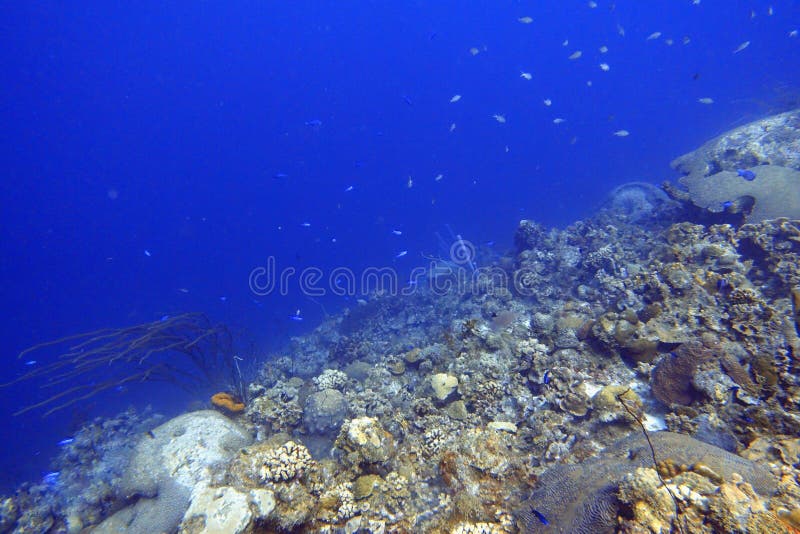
161, 127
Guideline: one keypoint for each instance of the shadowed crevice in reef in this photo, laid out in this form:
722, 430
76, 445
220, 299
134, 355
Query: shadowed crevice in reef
582, 498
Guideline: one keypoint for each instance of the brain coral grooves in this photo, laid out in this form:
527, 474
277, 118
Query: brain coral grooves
582, 498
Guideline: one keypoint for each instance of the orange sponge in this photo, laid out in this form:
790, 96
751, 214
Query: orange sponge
227, 402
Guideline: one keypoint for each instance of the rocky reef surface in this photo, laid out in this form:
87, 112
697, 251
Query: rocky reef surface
638, 371
765, 152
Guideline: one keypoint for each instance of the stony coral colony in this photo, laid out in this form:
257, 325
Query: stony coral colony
640, 375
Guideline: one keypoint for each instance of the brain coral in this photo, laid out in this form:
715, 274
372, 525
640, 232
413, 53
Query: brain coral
769, 147
583, 498
773, 140
774, 193
672, 377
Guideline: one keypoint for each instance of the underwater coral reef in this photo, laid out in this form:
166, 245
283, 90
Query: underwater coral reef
640, 374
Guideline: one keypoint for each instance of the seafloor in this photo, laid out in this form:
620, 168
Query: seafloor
639, 373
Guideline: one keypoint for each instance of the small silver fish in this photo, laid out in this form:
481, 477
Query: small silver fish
741, 47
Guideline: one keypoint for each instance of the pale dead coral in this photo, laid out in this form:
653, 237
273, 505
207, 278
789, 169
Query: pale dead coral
263, 463
364, 441
331, 379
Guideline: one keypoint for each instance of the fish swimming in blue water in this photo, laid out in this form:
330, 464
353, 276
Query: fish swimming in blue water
546, 377
747, 174
65, 441
314, 123
280, 175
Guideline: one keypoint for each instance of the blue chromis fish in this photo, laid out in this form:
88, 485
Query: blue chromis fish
531, 518
747, 174
540, 516
65, 442
314, 123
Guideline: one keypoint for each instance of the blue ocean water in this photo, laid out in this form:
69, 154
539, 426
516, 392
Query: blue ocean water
154, 154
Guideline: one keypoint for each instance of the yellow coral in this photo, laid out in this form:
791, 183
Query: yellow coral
791, 519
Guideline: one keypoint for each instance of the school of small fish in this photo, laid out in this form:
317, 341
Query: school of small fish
580, 47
